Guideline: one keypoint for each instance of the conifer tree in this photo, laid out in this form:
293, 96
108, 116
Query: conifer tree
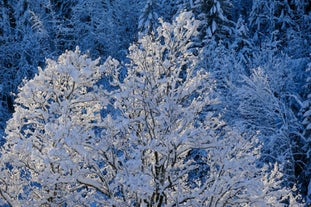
216, 17
152, 11
275, 20
306, 121
106, 28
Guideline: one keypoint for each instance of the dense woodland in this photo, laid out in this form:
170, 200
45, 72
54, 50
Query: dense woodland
155, 103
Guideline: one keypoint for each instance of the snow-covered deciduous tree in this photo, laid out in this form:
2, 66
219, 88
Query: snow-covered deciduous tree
225, 67
50, 138
262, 108
162, 120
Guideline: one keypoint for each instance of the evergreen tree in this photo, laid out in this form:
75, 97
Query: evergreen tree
148, 20
299, 37
305, 176
153, 10
106, 27
21, 49
216, 17
241, 42
277, 20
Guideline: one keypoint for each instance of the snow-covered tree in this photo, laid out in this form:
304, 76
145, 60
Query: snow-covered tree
216, 17
161, 119
241, 42
264, 109
226, 65
306, 121
51, 136
241, 8
20, 50
57, 17
148, 20
107, 27
282, 21
299, 37
152, 11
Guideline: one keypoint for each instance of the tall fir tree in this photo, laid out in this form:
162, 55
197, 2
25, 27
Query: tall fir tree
216, 17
